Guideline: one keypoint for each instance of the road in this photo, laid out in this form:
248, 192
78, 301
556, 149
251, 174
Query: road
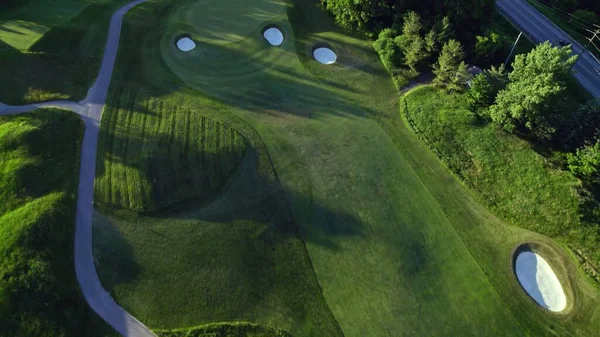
90, 110
541, 29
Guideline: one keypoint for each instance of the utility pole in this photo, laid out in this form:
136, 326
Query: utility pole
584, 48
512, 49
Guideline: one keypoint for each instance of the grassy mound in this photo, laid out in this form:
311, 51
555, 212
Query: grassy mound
154, 155
398, 245
39, 157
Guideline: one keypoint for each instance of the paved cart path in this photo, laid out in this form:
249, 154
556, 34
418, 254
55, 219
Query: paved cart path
540, 28
90, 109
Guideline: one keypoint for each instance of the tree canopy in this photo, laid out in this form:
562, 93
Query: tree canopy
529, 100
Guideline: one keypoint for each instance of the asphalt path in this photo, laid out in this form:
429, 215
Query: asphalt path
540, 29
90, 110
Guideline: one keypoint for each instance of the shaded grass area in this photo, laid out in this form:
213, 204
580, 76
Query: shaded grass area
39, 158
63, 61
225, 330
159, 155
236, 256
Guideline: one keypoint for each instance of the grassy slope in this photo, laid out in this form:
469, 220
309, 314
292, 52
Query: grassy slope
63, 60
39, 157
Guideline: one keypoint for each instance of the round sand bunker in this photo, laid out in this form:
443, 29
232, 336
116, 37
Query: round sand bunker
325, 55
274, 36
539, 281
185, 44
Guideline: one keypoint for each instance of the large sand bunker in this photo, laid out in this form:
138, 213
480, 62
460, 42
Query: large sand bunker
185, 44
539, 281
325, 55
274, 36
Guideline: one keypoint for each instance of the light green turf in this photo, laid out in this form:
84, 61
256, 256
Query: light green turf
21, 28
398, 245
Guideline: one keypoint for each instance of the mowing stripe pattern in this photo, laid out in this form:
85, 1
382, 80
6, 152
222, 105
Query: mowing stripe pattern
153, 154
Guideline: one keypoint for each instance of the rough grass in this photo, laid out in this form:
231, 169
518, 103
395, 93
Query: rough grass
155, 154
60, 44
39, 157
225, 330
399, 246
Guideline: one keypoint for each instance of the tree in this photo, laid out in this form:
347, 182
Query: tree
485, 86
412, 25
585, 162
386, 47
450, 69
415, 53
488, 45
529, 99
566, 5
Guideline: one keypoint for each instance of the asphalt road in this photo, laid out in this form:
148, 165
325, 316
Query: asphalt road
539, 28
90, 110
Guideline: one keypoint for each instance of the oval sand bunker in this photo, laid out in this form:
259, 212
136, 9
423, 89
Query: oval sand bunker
325, 55
186, 44
274, 36
539, 281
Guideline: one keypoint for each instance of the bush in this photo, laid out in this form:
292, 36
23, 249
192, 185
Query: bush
485, 87
386, 47
585, 162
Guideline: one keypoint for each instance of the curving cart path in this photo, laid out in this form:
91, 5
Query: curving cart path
90, 110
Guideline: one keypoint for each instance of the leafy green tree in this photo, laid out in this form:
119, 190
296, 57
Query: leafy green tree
585, 162
443, 30
529, 100
450, 69
485, 86
386, 47
412, 25
415, 53
488, 45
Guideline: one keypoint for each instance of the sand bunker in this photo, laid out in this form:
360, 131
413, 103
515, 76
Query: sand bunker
274, 36
325, 55
539, 281
185, 44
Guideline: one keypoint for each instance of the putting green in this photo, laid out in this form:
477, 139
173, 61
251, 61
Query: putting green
390, 233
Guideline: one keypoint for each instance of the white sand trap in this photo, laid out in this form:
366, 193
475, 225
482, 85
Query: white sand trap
274, 36
539, 281
325, 55
186, 44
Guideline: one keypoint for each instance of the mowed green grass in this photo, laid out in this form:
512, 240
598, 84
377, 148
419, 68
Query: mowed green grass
22, 27
158, 155
398, 245
228, 252
39, 159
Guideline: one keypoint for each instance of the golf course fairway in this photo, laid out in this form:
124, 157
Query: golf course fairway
337, 221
